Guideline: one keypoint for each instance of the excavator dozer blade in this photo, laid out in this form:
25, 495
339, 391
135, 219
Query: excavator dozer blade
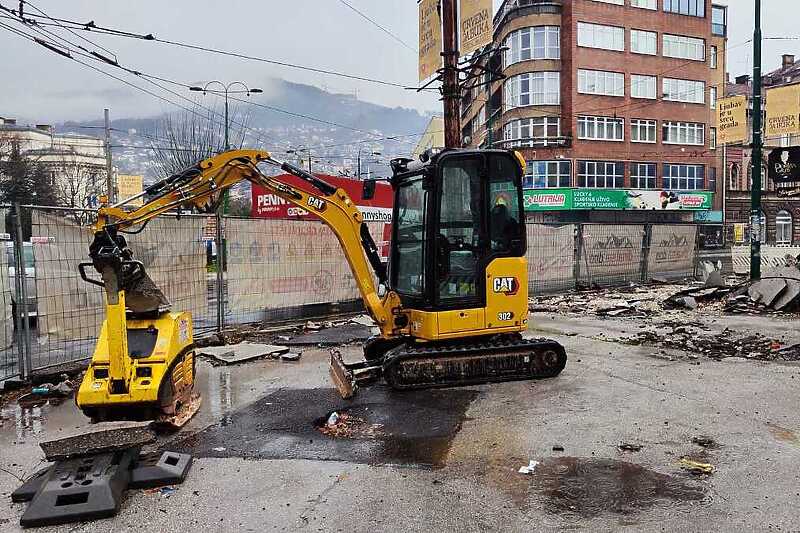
342, 377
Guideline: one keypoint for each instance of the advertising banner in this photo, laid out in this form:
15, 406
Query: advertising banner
476, 25
783, 168
551, 257
615, 199
129, 185
611, 253
672, 250
285, 263
783, 111
732, 120
430, 38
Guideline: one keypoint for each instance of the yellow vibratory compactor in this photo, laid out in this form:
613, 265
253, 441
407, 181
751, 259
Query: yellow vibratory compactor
450, 308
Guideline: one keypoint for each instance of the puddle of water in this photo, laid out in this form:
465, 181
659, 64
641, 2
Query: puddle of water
387, 427
591, 487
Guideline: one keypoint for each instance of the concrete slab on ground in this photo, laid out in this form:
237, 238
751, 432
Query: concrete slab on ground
239, 353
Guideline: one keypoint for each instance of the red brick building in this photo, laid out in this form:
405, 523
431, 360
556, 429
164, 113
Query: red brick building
612, 102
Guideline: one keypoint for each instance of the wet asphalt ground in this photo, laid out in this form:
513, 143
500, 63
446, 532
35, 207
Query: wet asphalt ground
449, 459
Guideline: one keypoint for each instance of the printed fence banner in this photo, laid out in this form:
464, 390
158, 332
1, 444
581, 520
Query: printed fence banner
476, 25
285, 263
611, 253
771, 257
6, 292
430, 39
551, 257
615, 199
672, 250
68, 307
173, 253
129, 186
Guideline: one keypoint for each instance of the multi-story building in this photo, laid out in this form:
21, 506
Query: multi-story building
779, 215
612, 102
76, 163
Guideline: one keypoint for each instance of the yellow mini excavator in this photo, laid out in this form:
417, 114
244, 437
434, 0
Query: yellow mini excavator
450, 309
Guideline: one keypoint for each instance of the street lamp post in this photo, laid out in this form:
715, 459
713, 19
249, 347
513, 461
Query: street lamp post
297, 151
221, 263
358, 176
226, 90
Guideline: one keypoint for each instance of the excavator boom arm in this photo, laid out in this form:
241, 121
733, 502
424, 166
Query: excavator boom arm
202, 185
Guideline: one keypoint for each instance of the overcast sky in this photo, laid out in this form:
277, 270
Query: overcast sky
40, 86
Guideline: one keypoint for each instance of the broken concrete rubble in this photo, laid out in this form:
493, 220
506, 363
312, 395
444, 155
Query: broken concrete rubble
245, 351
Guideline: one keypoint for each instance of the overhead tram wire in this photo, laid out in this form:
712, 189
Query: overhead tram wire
184, 85
380, 27
93, 28
89, 55
67, 54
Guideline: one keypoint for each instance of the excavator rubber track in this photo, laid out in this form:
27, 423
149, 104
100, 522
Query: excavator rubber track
504, 358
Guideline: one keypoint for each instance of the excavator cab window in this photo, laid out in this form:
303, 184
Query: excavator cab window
408, 265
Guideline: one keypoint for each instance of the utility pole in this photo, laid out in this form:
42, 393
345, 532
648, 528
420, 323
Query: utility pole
757, 156
450, 88
109, 169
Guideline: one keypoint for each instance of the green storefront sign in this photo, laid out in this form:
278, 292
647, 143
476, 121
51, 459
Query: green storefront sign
615, 199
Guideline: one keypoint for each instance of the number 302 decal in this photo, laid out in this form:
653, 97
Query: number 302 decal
505, 316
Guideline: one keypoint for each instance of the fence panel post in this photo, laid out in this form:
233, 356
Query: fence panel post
646, 240
220, 245
21, 290
576, 268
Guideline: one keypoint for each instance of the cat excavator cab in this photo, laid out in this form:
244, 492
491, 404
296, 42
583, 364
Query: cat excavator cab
450, 308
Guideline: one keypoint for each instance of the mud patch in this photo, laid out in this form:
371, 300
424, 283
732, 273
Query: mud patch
416, 428
784, 434
591, 487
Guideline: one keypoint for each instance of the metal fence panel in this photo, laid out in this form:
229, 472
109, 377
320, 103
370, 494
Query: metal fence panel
551, 257
771, 257
173, 253
283, 264
9, 349
672, 252
610, 254
71, 311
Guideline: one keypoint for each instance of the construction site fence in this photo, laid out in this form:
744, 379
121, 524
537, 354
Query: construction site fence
229, 271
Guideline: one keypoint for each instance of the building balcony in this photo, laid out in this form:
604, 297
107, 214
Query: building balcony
515, 8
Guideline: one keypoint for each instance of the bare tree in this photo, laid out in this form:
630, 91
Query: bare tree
75, 181
184, 138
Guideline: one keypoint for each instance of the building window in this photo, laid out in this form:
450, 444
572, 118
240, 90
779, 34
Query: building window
695, 8
643, 175
783, 228
689, 91
683, 47
601, 174
644, 42
536, 131
601, 82
547, 174
540, 42
712, 138
618, 2
691, 133
712, 97
601, 128
599, 36
643, 131
645, 4
712, 57
719, 15
684, 177
532, 88
643, 86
